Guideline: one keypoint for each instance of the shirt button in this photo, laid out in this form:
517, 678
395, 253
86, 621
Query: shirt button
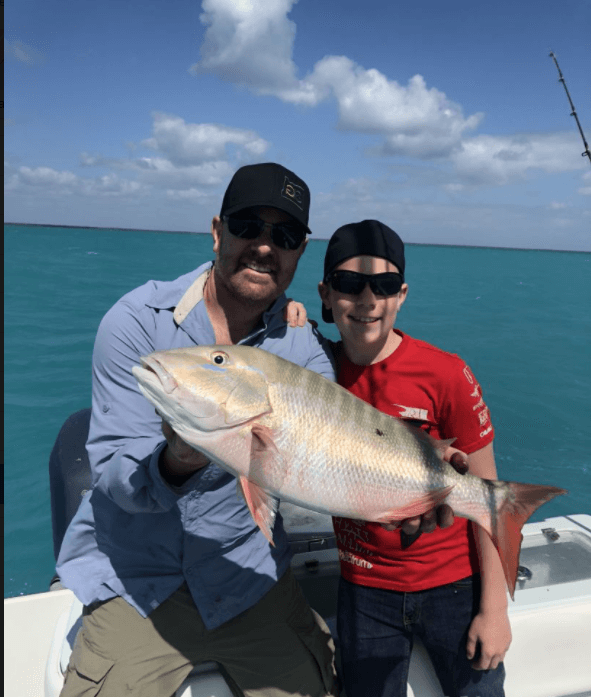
105, 408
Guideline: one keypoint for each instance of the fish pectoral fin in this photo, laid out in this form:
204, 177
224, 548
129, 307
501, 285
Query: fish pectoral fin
418, 506
262, 442
262, 506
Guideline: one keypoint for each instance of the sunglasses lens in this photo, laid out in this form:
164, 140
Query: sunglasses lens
288, 236
283, 236
347, 282
245, 228
353, 283
386, 284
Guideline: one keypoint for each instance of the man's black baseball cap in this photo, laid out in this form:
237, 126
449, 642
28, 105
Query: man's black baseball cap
268, 184
368, 238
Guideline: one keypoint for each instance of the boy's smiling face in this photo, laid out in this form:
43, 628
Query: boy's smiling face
364, 321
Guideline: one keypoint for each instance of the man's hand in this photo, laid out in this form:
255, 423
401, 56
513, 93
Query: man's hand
179, 460
442, 516
489, 638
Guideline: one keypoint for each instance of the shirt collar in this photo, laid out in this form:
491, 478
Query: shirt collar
167, 294
186, 292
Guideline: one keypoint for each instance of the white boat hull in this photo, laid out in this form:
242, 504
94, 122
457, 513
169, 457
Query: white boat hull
550, 618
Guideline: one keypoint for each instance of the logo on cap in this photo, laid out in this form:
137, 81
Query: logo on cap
293, 193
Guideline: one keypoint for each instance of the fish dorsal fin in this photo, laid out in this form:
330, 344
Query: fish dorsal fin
440, 446
249, 398
262, 506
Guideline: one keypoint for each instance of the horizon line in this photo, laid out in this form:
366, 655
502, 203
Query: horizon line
312, 239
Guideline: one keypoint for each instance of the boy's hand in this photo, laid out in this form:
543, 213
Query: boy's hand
442, 516
489, 638
295, 314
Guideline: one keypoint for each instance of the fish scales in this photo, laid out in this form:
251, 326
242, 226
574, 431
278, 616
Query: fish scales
288, 433
344, 458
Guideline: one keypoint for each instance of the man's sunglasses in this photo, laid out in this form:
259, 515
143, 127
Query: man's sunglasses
284, 235
353, 283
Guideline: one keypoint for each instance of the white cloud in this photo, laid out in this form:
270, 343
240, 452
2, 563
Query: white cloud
23, 53
159, 170
192, 194
415, 120
249, 43
194, 143
188, 154
501, 159
40, 181
191, 161
46, 177
586, 190
454, 188
433, 222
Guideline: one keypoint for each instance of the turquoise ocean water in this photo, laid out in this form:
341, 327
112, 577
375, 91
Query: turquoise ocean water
519, 318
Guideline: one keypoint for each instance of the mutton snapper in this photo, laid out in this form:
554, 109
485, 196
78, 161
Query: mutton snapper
287, 433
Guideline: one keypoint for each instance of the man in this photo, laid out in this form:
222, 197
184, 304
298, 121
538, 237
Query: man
168, 562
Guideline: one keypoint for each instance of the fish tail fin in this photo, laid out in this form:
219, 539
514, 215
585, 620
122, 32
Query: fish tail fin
519, 504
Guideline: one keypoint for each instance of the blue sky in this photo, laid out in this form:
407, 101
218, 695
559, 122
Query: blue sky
445, 120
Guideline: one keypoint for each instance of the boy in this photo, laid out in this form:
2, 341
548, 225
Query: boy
446, 587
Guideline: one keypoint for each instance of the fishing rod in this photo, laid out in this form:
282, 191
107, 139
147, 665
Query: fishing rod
586, 153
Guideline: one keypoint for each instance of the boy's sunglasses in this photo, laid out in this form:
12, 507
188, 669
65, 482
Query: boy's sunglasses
353, 283
284, 235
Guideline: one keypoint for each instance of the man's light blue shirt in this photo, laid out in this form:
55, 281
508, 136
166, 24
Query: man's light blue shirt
136, 536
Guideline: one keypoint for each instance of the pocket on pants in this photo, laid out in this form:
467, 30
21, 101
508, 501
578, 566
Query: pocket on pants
465, 583
87, 664
316, 638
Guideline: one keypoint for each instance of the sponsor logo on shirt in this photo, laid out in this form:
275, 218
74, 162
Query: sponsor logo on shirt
479, 407
468, 375
352, 535
352, 559
483, 416
478, 404
355, 528
413, 413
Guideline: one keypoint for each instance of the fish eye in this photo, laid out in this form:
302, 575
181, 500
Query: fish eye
219, 357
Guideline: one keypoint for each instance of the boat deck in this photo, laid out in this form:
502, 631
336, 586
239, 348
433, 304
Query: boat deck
550, 618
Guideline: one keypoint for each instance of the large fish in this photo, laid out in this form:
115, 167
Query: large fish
288, 433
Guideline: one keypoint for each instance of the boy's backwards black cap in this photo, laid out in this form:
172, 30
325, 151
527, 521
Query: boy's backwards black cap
367, 238
268, 184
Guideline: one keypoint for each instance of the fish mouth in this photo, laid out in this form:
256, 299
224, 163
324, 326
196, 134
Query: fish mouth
152, 372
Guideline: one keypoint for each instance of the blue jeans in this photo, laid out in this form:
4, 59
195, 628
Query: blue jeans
376, 629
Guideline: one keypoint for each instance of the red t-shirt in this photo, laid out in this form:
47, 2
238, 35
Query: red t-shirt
437, 392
